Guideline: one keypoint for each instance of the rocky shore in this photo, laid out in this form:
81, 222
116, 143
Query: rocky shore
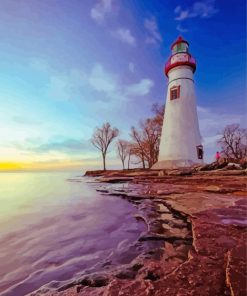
195, 242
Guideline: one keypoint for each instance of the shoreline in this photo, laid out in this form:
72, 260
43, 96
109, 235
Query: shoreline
191, 217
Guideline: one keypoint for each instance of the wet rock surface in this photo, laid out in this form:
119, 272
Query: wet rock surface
195, 242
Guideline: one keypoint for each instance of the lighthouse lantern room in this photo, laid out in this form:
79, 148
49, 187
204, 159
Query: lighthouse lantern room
180, 144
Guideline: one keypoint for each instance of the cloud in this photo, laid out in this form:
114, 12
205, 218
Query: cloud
181, 29
25, 121
125, 36
65, 146
107, 85
100, 80
59, 87
67, 85
139, 89
99, 12
131, 67
64, 86
202, 9
153, 33
212, 122
104, 86
101, 9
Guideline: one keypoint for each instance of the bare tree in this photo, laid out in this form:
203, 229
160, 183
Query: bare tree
102, 138
138, 146
159, 111
146, 140
123, 150
234, 142
130, 153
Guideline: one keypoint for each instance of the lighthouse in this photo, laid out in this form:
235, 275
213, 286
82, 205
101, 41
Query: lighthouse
180, 144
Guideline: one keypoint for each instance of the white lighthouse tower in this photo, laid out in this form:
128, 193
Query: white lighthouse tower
180, 144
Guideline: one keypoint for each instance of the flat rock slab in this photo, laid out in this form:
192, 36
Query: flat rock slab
236, 269
197, 226
114, 179
193, 202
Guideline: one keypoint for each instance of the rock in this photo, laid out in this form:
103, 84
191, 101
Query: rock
126, 274
128, 288
114, 179
152, 276
168, 192
214, 165
145, 173
223, 172
136, 266
100, 281
96, 280
236, 270
233, 166
94, 173
197, 167
213, 188
194, 242
161, 173
243, 162
179, 172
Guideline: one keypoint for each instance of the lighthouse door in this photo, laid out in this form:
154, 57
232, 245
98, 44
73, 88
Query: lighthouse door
199, 151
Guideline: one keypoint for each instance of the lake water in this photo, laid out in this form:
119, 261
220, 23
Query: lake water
55, 226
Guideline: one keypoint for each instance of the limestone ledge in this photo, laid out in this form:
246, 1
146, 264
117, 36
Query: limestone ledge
195, 242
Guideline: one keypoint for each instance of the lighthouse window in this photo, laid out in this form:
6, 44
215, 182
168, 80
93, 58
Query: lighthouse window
174, 92
180, 47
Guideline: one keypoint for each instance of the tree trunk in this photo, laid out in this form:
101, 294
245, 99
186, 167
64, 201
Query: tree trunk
129, 162
143, 163
123, 164
103, 155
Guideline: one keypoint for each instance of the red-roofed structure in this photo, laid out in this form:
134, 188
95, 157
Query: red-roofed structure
180, 56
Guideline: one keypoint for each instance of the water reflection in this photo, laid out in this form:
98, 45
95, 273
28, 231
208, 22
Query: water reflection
52, 229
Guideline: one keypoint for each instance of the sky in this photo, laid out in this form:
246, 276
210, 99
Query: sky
69, 66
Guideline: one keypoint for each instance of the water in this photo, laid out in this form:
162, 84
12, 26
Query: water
53, 229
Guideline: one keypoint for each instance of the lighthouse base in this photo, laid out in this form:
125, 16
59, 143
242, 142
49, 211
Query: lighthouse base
173, 164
